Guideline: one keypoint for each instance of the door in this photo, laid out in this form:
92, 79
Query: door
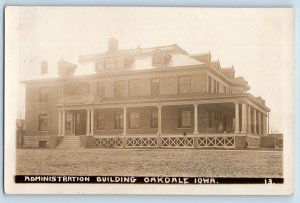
80, 122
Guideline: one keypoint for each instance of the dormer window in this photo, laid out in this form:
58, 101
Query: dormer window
110, 62
159, 57
65, 68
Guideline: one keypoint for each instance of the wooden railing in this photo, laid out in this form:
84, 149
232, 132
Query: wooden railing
165, 142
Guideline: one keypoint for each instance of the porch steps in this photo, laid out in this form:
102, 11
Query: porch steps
69, 142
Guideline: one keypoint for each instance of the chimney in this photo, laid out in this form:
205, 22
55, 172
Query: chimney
44, 67
112, 45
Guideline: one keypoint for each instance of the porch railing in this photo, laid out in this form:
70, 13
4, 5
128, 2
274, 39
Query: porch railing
165, 142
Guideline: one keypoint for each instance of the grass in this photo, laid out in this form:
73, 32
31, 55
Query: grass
142, 162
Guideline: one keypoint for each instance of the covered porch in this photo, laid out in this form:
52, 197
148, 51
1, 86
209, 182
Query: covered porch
165, 124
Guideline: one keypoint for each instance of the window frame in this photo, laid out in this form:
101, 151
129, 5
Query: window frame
155, 87
46, 95
68, 121
100, 86
119, 88
100, 127
209, 84
157, 59
119, 120
180, 118
134, 120
186, 84
154, 118
47, 120
134, 88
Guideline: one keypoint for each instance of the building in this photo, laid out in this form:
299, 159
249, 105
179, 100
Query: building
144, 97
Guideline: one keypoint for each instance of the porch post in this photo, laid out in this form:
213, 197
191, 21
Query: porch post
264, 117
92, 122
87, 122
73, 123
244, 118
59, 123
196, 119
63, 122
259, 123
237, 120
249, 119
159, 120
254, 122
124, 120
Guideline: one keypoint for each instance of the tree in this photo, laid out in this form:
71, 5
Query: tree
20, 127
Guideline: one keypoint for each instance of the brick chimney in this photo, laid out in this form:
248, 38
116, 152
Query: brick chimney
112, 45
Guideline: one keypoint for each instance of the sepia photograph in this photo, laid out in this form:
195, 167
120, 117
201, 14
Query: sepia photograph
135, 100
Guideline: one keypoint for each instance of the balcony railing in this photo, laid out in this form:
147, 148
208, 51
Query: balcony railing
77, 99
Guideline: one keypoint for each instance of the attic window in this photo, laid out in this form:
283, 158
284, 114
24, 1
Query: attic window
110, 62
157, 59
160, 57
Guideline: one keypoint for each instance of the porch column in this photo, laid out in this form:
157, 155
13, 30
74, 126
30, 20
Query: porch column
237, 120
87, 122
124, 120
196, 119
63, 122
59, 123
159, 120
244, 118
254, 122
259, 123
264, 117
92, 122
249, 119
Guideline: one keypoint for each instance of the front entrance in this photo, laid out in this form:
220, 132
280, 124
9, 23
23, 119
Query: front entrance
80, 122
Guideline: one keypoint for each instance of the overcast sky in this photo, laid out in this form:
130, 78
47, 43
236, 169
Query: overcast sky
258, 42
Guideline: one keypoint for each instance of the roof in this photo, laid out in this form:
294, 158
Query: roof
142, 61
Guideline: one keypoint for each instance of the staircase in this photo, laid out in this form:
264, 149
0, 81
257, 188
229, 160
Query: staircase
69, 142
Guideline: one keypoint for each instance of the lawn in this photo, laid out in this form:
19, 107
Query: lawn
142, 162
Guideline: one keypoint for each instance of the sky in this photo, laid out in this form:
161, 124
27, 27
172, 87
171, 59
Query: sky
257, 42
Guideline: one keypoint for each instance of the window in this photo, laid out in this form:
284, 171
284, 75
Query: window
109, 62
209, 84
224, 89
119, 119
184, 84
43, 94
119, 88
218, 87
154, 119
185, 119
99, 63
157, 58
100, 88
215, 86
68, 122
155, 86
134, 87
119, 62
134, 120
100, 120
43, 122
84, 89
